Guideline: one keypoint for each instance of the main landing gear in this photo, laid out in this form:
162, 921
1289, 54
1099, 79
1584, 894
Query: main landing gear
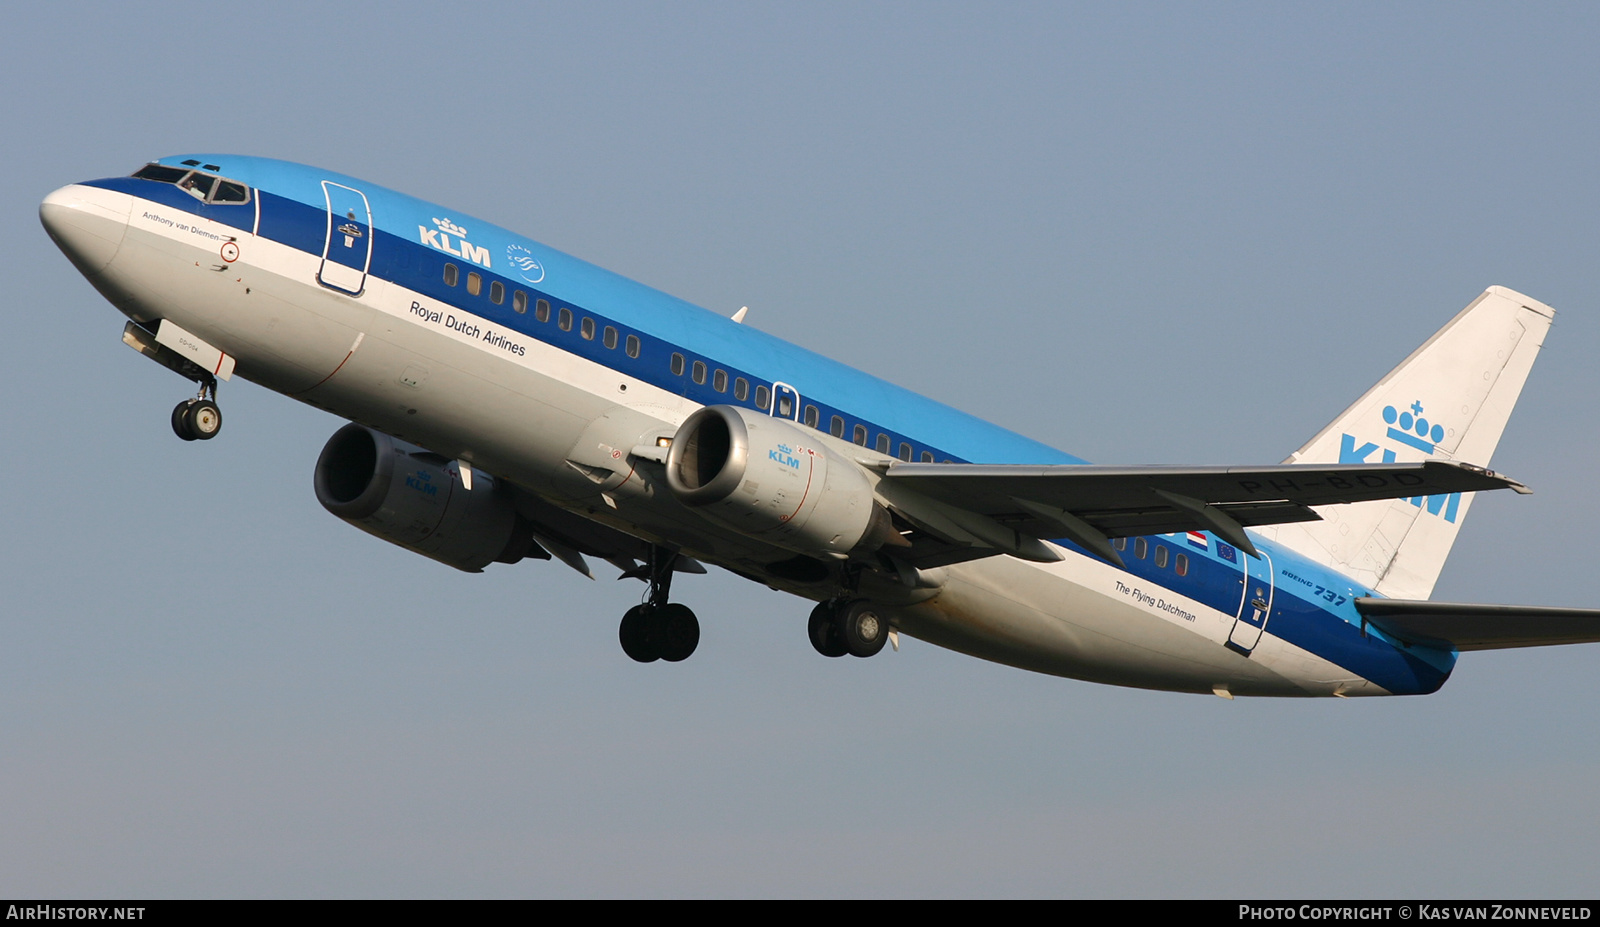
843, 626
198, 418
658, 629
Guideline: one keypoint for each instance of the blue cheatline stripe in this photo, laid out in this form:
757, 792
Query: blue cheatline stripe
1333, 633
666, 325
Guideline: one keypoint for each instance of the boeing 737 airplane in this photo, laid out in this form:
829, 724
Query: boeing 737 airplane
510, 402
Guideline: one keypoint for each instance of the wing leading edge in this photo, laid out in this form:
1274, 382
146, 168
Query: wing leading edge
1011, 508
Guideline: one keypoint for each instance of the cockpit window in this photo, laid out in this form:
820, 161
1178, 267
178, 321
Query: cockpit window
208, 188
160, 173
197, 185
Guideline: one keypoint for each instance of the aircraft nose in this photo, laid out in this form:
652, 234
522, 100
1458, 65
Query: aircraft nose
86, 223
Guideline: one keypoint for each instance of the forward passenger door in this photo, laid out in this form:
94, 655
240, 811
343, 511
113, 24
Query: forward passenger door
347, 251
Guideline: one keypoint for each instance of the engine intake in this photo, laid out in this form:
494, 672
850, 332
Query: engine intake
768, 479
414, 498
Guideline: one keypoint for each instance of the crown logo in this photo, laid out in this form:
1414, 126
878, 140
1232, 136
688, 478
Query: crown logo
1411, 429
450, 228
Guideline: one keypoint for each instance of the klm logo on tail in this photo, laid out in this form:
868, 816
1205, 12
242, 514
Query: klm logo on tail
1411, 429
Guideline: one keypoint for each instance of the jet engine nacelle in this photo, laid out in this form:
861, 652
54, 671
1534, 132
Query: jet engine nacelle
768, 479
414, 498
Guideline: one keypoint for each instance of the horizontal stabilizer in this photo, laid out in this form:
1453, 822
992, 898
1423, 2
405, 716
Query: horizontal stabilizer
1479, 627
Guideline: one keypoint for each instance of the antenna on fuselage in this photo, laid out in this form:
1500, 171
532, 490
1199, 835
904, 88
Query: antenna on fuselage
739, 316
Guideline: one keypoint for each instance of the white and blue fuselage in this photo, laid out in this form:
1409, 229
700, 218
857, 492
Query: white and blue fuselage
489, 348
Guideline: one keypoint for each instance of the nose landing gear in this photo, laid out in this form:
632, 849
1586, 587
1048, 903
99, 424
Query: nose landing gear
658, 629
198, 418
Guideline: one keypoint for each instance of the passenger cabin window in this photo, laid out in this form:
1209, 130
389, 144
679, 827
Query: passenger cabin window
741, 388
927, 456
677, 365
1119, 543
719, 381
859, 436
497, 292
452, 276
763, 398
610, 337
1161, 556
883, 443
1140, 548
519, 302
1182, 565
905, 451
564, 319
474, 283
541, 310
699, 370
586, 328
836, 427
811, 416
633, 345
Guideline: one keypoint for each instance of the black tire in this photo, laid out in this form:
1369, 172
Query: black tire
823, 629
863, 628
677, 632
180, 420
638, 634
204, 419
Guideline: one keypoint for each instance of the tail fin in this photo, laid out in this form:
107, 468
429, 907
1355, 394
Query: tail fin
1449, 400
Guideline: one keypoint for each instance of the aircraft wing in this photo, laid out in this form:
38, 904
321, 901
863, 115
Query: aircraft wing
1010, 507
1480, 627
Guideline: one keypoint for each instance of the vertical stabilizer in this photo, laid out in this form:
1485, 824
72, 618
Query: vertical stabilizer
1449, 400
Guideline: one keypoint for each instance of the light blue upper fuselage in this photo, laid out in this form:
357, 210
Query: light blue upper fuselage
1314, 609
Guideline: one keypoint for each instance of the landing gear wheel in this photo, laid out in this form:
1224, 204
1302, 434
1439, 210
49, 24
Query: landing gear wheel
204, 419
180, 420
863, 628
823, 629
659, 629
198, 418
638, 634
677, 632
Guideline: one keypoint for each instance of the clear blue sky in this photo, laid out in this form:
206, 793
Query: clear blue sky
1144, 233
